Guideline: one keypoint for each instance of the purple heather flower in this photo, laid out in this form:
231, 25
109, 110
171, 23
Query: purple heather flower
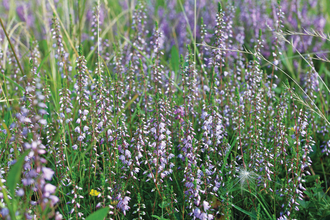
123, 204
205, 216
58, 216
53, 199
43, 121
20, 192
49, 189
80, 138
24, 15
11, 162
28, 216
90, 15
4, 212
6, 4
197, 212
98, 205
47, 173
206, 206
27, 182
32, 173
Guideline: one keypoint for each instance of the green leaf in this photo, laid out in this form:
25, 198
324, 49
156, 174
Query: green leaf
160, 218
10, 80
178, 216
304, 204
99, 214
252, 215
227, 154
175, 59
163, 204
43, 61
277, 90
286, 59
12, 179
312, 179
15, 173
219, 7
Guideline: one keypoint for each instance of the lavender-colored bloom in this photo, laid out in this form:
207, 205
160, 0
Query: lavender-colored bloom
27, 181
43, 121
28, 216
53, 199
10, 163
98, 205
123, 204
47, 173
4, 212
197, 212
80, 138
127, 153
49, 189
206, 216
206, 206
58, 216
90, 16
6, 4
86, 128
20, 192
326, 148
24, 15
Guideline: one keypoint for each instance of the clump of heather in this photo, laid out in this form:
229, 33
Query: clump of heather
187, 115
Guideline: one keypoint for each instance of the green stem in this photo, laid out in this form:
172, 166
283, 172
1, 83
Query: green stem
4, 30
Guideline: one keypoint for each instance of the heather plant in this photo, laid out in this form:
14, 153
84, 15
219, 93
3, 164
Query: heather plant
164, 110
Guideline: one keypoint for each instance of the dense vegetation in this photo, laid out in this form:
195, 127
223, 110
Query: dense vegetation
154, 109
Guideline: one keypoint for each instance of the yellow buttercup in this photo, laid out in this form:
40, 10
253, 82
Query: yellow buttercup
114, 202
94, 192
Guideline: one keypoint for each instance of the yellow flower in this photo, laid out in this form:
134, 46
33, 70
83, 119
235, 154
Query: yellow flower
94, 192
114, 202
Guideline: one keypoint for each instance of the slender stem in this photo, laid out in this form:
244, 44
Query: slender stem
4, 30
